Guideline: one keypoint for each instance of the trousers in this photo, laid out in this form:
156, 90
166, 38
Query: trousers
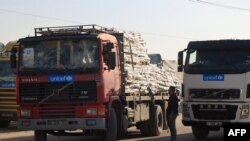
171, 118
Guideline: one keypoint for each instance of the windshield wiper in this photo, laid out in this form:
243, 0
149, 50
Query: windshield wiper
247, 66
66, 69
88, 69
233, 66
55, 93
214, 93
1, 79
34, 71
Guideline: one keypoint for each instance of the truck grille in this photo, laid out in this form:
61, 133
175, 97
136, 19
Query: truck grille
8, 100
57, 110
214, 93
214, 112
58, 92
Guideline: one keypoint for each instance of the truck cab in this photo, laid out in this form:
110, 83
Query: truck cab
216, 84
66, 79
8, 107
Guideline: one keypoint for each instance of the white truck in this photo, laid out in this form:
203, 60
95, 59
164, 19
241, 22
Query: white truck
216, 84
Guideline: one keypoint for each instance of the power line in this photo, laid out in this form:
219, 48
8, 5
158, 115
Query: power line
39, 16
220, 5
78, 22
169, 36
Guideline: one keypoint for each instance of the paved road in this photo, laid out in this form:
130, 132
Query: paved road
184, 134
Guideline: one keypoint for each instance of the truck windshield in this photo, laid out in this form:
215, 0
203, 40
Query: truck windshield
6, 73
60, 55
217, 61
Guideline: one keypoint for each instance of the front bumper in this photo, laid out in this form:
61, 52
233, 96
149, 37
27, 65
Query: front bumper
62, 124
205, 123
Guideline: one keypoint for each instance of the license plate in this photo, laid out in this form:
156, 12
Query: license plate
57, 122
214, 123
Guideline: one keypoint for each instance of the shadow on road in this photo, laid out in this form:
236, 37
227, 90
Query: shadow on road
8, 130
182, 137
11, 128
130, 137
213, 136
19, 139
133, 135
54, 138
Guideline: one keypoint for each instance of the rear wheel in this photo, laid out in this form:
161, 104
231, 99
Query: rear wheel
156, 121
4, 123
145, 129
200, 132
40, 135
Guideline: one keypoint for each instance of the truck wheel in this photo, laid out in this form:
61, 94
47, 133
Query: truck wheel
4, 123
40, 135
156, 121
164, 108
145, 129
111, 133
200, 132
124, 125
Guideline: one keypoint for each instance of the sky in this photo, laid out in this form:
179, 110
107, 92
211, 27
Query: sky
167, 26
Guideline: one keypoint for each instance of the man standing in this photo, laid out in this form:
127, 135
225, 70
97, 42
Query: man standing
172, 112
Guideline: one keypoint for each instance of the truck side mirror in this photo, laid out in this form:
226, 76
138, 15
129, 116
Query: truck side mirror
108, 47
180, 61
13, 58
111, 60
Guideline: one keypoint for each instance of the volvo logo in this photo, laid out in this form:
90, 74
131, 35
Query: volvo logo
28, 80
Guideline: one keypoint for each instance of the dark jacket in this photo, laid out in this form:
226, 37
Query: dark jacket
172, 105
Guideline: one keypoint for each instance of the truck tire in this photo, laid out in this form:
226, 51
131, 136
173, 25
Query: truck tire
4, 123
145, 129
124, 127
156, 121
40, 135
200, 132
164, 108
111, 133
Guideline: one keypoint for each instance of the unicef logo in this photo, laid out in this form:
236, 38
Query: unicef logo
8, 85
220, 77
69, 78
61, 78
213, 77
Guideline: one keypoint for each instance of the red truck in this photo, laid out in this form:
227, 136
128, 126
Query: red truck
73, 78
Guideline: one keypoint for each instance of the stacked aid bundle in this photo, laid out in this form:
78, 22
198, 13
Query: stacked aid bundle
140, 74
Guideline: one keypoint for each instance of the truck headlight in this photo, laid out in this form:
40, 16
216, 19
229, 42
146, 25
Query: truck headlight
101, 110
91, 111
25, 113
185, 110
244, 111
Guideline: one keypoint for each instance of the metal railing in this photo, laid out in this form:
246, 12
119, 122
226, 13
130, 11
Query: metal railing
77, 29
